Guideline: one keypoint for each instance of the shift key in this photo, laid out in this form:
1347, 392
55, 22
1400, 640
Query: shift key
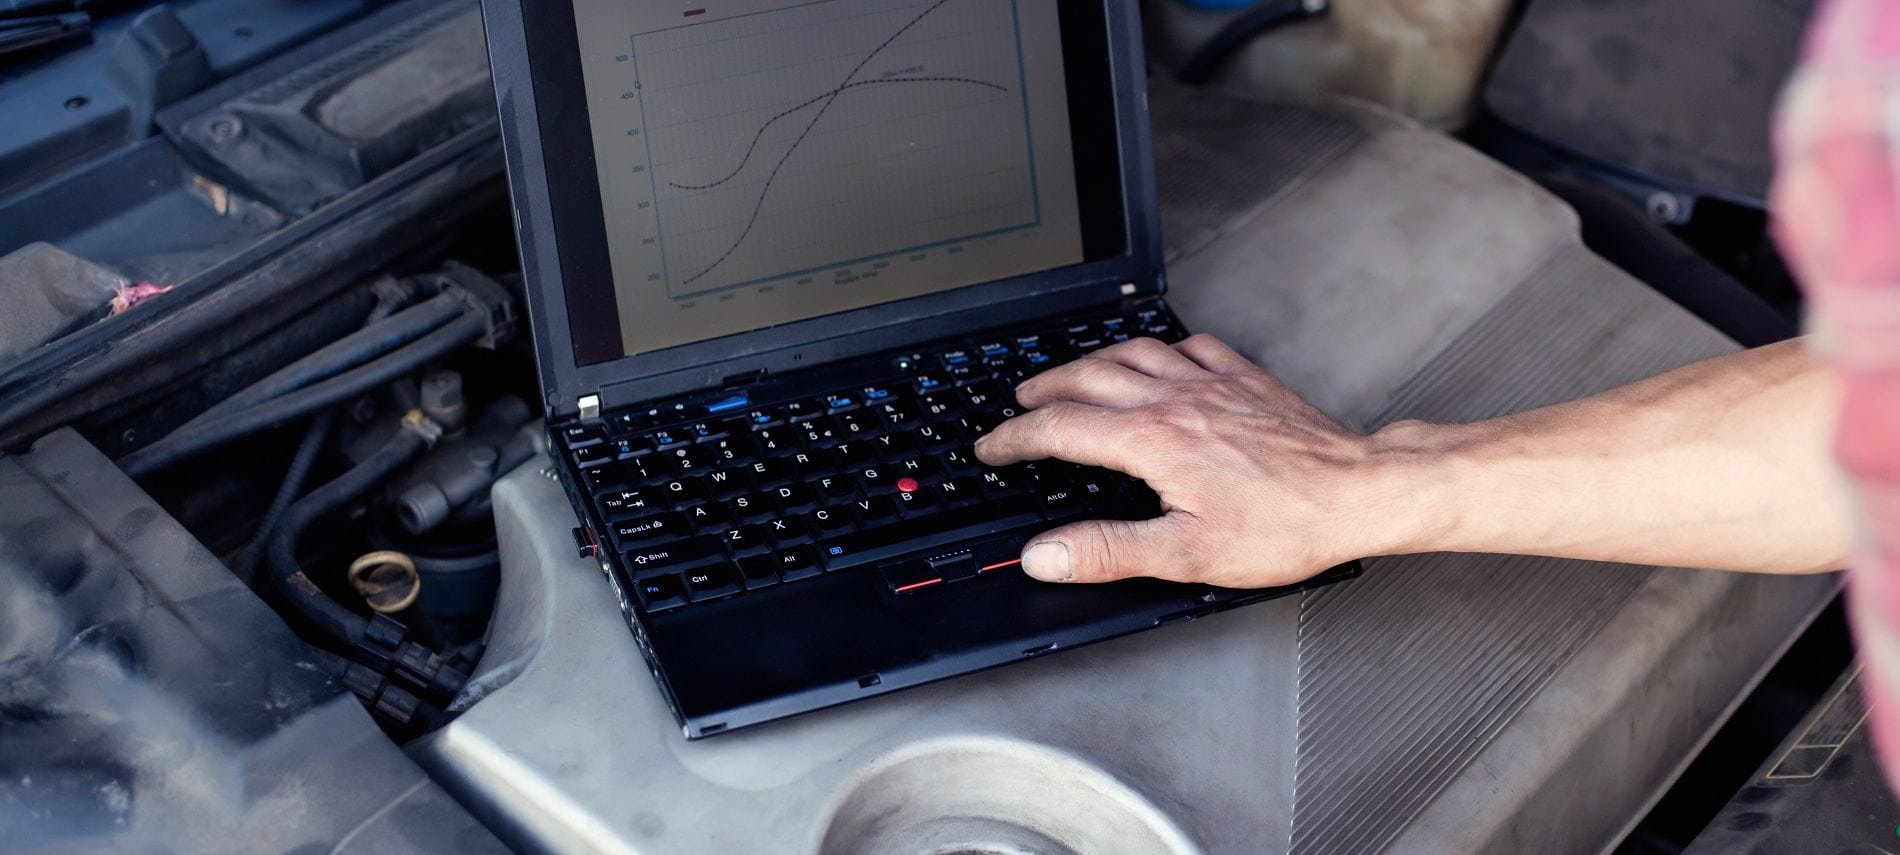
676, 557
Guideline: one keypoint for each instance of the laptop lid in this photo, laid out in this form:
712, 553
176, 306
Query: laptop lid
711, 189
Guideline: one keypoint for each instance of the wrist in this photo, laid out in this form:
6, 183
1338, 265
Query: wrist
1425, 473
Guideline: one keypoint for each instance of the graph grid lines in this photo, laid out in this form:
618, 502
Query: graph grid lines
647, 140
810, 138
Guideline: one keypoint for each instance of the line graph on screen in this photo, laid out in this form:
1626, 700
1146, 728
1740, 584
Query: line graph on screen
812, 137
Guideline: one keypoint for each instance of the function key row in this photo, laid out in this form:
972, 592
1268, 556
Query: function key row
1040, 349
781, 429
1008, 360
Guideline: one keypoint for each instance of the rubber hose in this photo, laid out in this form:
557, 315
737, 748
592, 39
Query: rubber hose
457, 564
378, 336
335, 620
385, 306
300, 465
1206, 61
183, 445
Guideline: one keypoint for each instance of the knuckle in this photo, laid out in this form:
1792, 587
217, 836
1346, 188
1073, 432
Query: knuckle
1054, 384
1008, 434
1099, 558
1145, 346
1051, 427
1102, 552
1182, 415
1003, 443
1030, 393
1051, 419
1154, 431
1092, 369
1180, 392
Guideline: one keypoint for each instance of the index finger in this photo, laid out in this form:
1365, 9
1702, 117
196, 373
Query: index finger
1078, 433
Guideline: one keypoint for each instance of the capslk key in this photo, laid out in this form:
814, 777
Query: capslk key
633, 533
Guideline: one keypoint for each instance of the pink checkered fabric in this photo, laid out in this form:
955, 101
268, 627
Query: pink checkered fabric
1836, 204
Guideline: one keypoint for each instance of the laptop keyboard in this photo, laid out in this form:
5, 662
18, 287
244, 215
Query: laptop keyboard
744, 496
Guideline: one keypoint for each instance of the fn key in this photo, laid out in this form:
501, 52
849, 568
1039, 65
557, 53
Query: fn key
659, 593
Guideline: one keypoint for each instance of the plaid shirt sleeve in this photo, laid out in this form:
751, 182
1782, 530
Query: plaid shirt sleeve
1836, 204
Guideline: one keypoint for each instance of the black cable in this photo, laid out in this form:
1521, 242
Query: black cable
380, 335
455, 564
22, 8
232, 305
1206, 60
333, 619
21, 34
300, 465
386, 305
182, 445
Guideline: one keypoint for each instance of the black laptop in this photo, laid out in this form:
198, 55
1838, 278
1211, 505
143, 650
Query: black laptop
785, 261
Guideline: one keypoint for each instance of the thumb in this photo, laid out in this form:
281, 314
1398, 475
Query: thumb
1106, 550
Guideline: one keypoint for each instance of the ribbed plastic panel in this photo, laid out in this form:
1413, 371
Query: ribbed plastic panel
1408, 673
1576, 327
1214, 187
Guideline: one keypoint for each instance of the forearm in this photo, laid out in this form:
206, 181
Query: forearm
1722, 464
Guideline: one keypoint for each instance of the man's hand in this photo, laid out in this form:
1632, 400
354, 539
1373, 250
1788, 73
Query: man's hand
1258, 488
1721, 464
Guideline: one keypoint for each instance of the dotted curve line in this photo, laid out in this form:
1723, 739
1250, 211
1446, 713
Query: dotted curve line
832, 98
747, 158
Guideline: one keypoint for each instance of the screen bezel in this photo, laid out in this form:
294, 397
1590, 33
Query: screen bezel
545, 131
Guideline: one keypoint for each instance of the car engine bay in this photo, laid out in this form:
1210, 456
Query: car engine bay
284, 567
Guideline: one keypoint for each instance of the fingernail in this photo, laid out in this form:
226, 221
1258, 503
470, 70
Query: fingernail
1048, 561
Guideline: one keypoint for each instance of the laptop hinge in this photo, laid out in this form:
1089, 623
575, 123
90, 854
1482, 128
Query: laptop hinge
590, 407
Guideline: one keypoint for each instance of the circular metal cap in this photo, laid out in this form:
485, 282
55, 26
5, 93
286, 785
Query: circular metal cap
387, 580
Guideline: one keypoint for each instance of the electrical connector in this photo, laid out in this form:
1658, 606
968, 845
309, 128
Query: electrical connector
400, 681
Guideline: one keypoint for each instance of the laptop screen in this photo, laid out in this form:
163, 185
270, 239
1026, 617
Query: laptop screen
760, 162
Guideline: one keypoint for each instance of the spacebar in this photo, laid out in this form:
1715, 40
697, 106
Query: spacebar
864, 547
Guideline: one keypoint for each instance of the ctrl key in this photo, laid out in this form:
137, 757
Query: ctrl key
710, 582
